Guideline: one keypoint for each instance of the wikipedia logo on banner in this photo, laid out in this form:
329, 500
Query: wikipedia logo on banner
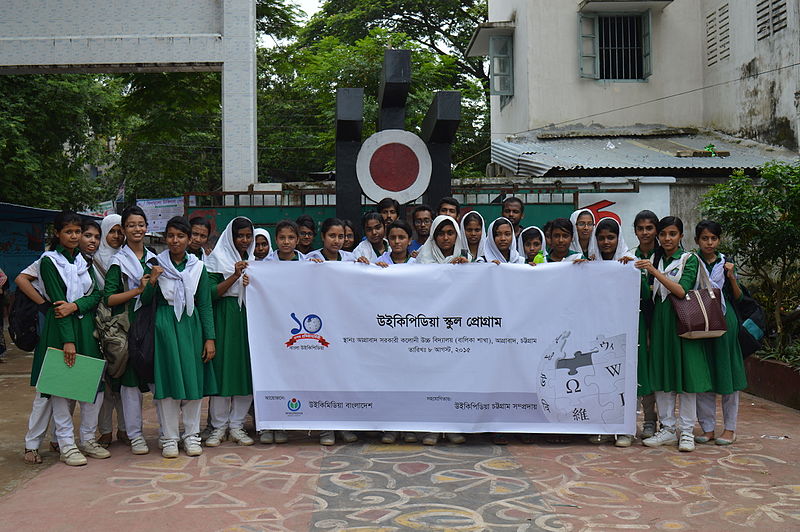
311, 324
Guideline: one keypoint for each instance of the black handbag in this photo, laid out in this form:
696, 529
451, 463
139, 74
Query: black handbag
142, 340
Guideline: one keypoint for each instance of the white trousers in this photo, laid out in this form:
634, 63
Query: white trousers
51, 430
170, 413
41, 412
707, 410
112, 401
687, 414
132, 407
63, 420
229, 412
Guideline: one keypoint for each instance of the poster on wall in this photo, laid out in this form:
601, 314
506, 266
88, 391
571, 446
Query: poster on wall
159, 211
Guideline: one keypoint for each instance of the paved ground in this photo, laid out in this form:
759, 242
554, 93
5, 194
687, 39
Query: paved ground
367, 486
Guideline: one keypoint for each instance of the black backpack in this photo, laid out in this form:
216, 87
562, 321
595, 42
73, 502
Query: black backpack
142, 340
752, 323
23, 322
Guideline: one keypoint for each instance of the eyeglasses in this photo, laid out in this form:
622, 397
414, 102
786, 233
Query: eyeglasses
306, 233
423, 221
584, 224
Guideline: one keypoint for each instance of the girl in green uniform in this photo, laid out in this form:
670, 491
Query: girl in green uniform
184, 340
679, 367
724, 353
561, 238
473, 235
127, 279
67, 281
226, 265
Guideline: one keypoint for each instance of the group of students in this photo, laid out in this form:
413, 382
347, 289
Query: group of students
200, 323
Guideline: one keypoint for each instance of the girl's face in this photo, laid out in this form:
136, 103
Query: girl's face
90, 240
585, 225
177, 242
670, 239
374, 231
399, 240
646, 233
560, 240
199, 237
243, 239
69, 236
532, 247
607, 242
287, 240
445, 238
135, 228
262, 247
115, 238
349, 239
306, 236
333, 240
708, 243
473, 232
503, 236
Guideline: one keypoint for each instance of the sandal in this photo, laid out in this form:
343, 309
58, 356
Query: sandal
104, 440
32, 457
54, 447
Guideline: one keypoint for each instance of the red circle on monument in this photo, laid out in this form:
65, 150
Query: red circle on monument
394, 167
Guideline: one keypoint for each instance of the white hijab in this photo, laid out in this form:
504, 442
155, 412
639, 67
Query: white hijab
463, 235
224, 258
129, 264
179, 288
621, 251
576, 241
260, 231
430, 253
493, 253
104, 254
521, 244
75, 275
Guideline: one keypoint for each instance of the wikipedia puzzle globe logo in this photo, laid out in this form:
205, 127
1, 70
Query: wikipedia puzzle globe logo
312, 324
583, 384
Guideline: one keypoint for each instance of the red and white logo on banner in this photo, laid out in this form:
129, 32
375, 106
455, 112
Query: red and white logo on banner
394, 164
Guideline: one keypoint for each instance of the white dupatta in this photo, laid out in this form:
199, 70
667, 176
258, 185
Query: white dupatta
430, 253
717, 278
674, 271
521, 243
130, 265
177, 287
260, 231
463, 235
493, 253
105, 253
576, 241
75, 275
622, 248
224, 258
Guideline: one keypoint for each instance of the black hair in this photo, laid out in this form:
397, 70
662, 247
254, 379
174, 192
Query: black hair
133, 210
88, 222
287, 223
561, 223
349, 224
306, 221
711, 226
472, 215
666, 221
199, 220
63, 219
548, 227
607, 224
512, 199
180, 223
239, 223
420, 208
499, 223
370, 216
644, 216
445, 222
333, 222
447, 200
385, 203
533, 234
399, 224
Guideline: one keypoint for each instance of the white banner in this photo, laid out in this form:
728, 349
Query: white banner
451, 348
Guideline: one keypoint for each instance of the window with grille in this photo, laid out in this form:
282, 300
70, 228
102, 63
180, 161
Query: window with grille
501, 65
718, 36
771, 17
615, 47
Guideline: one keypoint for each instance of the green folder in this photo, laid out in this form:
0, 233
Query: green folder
79, 382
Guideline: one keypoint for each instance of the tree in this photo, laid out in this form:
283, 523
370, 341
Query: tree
761, 219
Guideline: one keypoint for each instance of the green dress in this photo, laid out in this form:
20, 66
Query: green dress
724, 354
678, 365
643, 369
179, 370
77, 328
232, 363
115, 284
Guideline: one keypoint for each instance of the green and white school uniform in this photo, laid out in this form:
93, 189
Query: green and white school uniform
572, 256
273, 255
462, 236
644, 362
366, 249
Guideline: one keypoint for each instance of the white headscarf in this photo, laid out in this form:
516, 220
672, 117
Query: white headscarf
430, 253
224, 258
129, 265
463, 235
493, 253
621, 251
260, 231
75, 275
178, 288
104, 254
521, 244
576, 241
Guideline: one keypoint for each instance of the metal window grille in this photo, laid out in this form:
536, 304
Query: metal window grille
711, 39
771, 17
718, 37
621, 47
